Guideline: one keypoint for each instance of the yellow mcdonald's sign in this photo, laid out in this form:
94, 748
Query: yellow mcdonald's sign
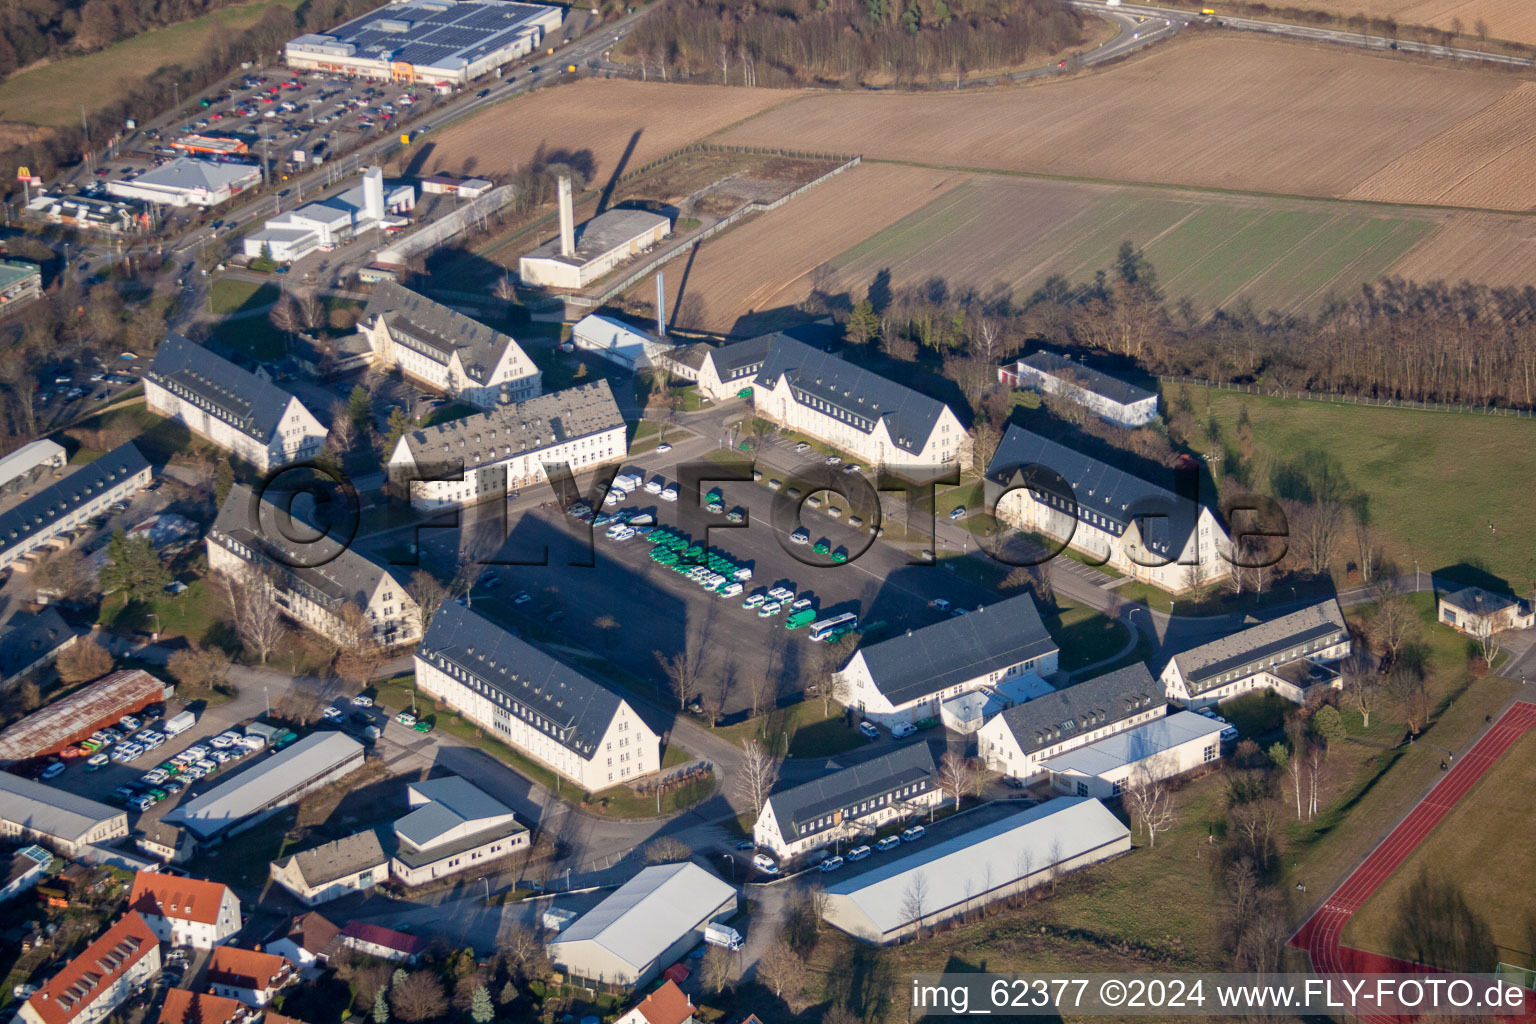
23, 173
405, 139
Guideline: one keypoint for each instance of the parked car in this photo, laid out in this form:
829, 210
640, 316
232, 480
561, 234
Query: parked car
362, 701
903, 729
888, 843
859, 853
869, 729
53, 771
766, 864
913, 834
832, 864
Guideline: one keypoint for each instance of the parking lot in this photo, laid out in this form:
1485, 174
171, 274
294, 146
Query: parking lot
612, 599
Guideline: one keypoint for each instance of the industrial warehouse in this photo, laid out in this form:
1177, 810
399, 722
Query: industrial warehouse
422, 41
282, 779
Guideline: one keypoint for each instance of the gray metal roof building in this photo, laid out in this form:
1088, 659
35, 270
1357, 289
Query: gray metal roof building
855, 395
436, 331
740, 359
40, 515
68, 820
899, 896
565, 705
920, 662
834, 795
451, 816
29, 638
1164, 518
248, 403
508, 431
644, 925
601, 235
1138, 744
339, 858
1085, 706
1265, 644
281, 779
1101, 384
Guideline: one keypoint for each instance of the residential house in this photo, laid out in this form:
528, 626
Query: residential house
32, 638
64, 821
313, 584
332, 870
1138, 528
453, 827
875, 420
1017, 742
845, 802
186, 911
182, 1006
1290, 655
486, 456
1479, 612
907, 677
542, 708
235, 409
28, 866
42, 521
248, 976
90, 987
384, 943
306, 940
667, 1004
1108, 398
445, 351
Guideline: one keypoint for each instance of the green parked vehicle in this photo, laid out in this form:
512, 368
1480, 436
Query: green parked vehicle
803, 617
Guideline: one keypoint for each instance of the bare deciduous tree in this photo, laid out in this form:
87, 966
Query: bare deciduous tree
311, 311
1151, 804
957, 778
757, 775
419, 997
781, 970
428, 594
682, 671
343, 433
667, 850
914, 902
257, 618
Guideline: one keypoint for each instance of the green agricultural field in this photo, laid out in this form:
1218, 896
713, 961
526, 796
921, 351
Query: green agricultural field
1212, 249
1435, 480
53, 94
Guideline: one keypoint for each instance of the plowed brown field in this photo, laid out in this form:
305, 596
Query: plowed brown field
597, 115
1514, 20
1488, 160
766, 262
1483, 248
1231, 112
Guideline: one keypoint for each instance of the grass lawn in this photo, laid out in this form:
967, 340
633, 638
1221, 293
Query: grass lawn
53, 93
799, 730
190, 614
1405, 462
253, 336
623, 802
157, 438
1482, 846
232, 294
1084, 635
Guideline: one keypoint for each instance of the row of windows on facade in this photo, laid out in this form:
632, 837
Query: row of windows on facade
1289, 656
492, 694
826, 821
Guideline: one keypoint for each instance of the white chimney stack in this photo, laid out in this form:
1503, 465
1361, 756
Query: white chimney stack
567, 218
661, 307
373, 193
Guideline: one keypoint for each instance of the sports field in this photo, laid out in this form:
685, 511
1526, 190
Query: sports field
52, 94
1483, 846
1014, 233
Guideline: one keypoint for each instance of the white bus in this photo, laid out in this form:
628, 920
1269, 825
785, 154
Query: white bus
844, 623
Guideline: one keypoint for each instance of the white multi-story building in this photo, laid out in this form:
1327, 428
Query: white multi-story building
1018, 741
234, 408
1163, 748
186, 911
538, 706
722, 371
42, 520
878, 421
485, 456
321, 226
907, 677
849, 802
1142, 530
248, 976
445, 351
314, 586
122, 959
1289, 656
453, 827
1108, 398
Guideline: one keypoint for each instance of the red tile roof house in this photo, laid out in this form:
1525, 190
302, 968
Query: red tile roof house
384, 943
186, 911
184, 1007
249, 976
306, 942
667, 1005
93, 984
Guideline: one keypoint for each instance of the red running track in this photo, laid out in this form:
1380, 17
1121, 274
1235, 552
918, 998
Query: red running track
1319, 936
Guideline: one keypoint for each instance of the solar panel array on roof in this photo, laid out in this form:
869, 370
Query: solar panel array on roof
433, 35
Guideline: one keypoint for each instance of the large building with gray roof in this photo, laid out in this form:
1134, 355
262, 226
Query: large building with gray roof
426, 42
186, 181
254, 793
64, 821
1290, 655
445, 351
484, 456
595, 249
851, 801
354, 863
907, 677
535, 704
1017, 741
875, 420
237, 410
43, 521
453, 827
1142, 529
1110, 398
899, 897
314, 584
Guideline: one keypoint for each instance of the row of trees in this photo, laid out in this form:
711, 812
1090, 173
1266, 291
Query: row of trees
35, 30
847, 40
